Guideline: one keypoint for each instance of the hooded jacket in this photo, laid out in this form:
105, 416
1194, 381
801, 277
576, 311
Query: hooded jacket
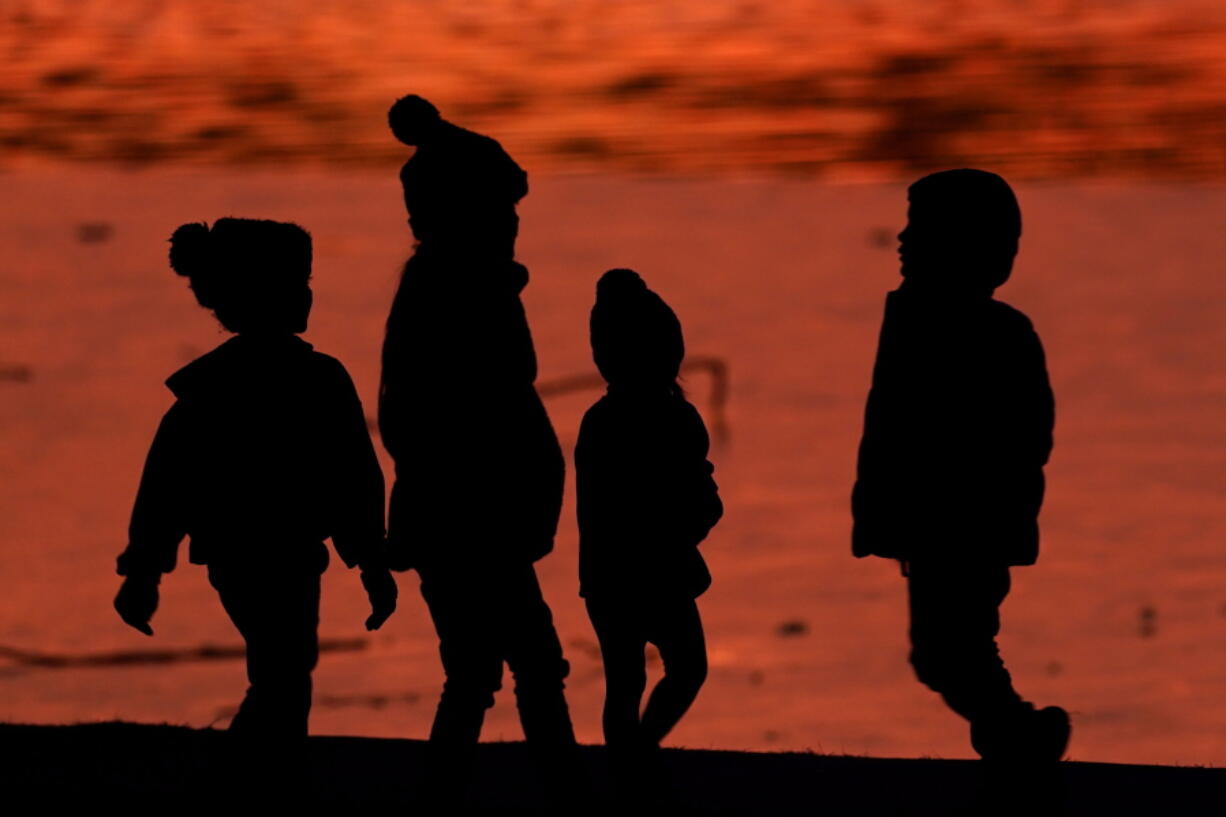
957, 430
264, 454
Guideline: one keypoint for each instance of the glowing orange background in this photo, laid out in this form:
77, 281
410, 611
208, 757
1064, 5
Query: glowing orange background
716, 145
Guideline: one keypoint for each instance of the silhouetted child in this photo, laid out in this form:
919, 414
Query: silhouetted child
479, 470
957, 430
460, 187
646, 499
264, 454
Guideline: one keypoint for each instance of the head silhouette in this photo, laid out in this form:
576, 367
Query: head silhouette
962, 232
636, 337
413, 120
253, 274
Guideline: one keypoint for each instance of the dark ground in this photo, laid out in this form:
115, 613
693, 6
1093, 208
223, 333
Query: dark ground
137, 765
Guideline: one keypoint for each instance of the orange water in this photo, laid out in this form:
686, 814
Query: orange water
784, 280
837, 88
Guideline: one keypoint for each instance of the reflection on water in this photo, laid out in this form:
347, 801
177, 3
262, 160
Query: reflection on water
860, 88
1121, 621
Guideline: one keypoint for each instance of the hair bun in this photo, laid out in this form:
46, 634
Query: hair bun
189, 248
620, 282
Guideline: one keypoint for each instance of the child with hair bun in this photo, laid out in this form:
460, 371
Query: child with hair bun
646, 499
264, 454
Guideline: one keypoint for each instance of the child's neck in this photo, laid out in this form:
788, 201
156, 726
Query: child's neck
940, 291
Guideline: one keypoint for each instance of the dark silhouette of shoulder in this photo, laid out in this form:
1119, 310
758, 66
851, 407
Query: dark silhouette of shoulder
959, 419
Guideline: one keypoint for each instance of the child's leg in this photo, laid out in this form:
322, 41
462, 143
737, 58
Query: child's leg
278, 616
678, 634
622, 648
533, 651
955, 618
472, 664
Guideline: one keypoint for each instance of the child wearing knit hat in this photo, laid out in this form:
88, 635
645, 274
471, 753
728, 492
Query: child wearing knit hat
646, 500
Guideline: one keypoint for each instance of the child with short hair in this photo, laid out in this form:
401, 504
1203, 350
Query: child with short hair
957, 430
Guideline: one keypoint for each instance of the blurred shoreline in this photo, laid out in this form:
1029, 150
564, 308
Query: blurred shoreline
860, 90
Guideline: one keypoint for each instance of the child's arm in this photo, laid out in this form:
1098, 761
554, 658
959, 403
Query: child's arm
1043, 401
609, 481
1027, 398
358, 532
703, 507
359, 535
157, 526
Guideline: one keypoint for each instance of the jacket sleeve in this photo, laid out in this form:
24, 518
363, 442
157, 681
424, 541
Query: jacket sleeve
1026, 403
701, 503
158, 522
358, 530
612, 492
1043, 401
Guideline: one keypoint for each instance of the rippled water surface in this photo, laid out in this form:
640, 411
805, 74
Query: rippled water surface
860, 88
1122, 620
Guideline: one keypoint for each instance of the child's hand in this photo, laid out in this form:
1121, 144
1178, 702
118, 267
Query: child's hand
137, 601
382, 592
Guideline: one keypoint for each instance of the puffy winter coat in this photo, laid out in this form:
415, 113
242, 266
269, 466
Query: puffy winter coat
957, 430
264, 455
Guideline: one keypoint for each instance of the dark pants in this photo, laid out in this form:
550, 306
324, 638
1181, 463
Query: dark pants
485, 618
624, 630
277, 614
955, 618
